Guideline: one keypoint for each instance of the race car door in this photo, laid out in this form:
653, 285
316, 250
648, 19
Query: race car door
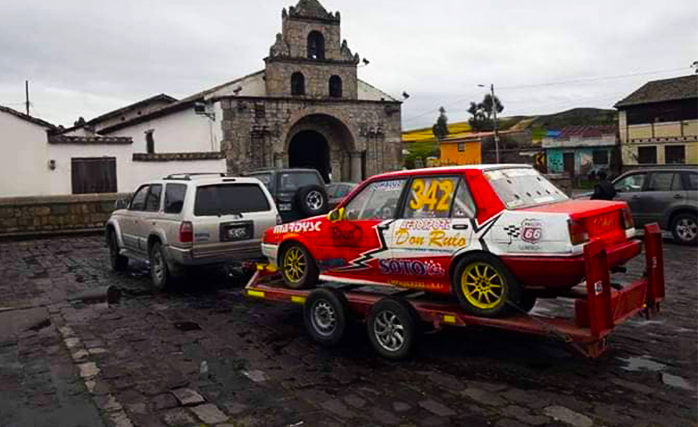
435, 222
363, 237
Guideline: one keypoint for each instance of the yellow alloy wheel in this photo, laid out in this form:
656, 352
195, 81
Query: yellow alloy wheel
294, 264
482, 285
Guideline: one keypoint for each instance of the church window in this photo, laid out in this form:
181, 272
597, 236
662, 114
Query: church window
335, 87
316, 45
297, 84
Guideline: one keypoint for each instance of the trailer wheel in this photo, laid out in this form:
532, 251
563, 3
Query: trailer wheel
484, 286
325, 314
392, 328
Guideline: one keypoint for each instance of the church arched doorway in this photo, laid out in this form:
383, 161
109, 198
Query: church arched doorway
310, 149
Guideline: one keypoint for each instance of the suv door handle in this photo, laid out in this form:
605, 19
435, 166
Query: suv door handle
459, 226
678, 196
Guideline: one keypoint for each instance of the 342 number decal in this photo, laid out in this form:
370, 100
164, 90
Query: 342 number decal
436, 197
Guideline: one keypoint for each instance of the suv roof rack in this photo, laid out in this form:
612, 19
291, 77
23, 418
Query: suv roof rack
188, 176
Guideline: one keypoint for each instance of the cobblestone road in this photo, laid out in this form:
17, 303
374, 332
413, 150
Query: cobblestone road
204, 355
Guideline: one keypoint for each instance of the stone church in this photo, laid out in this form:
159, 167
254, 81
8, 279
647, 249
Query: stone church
314, 111
307, 108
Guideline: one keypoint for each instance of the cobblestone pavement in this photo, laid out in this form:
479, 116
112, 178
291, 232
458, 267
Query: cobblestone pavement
205, 355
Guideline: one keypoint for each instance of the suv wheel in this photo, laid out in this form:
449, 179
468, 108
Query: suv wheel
684, 228
118, 262
312, 200
158, 267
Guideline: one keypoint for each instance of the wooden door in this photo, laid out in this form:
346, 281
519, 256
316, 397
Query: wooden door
568, 159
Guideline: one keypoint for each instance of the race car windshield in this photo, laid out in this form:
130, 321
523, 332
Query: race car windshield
523, 187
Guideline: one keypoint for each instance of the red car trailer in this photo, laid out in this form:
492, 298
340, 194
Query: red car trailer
392, 315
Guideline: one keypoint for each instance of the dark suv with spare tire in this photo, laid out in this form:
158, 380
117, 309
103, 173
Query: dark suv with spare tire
298, 193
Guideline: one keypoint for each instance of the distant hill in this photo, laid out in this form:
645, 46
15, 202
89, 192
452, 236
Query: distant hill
539, 125
575, 117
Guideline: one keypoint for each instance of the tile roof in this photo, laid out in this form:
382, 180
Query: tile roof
27, 117
175, 106
663, 90
583, 131
89, 140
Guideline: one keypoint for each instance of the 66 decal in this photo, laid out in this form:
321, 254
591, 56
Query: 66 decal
531, 230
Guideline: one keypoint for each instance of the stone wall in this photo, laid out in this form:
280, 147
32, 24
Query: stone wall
55, 214
257, 132
316, 74
296, 30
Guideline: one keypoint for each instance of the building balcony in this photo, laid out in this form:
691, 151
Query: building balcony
683, 131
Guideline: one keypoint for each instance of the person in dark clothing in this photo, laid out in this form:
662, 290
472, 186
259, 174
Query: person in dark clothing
603, 190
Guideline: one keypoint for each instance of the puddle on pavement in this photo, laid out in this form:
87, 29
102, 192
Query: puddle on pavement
643, 322
642, 362
676, 381
187, 326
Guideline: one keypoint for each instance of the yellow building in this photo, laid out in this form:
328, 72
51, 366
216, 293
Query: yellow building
461, 151
462, 147
658, 123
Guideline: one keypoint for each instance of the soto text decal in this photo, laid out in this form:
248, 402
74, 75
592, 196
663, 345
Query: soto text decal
411, 267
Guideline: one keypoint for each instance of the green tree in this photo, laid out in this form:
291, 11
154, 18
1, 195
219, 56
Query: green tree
440, 128
482, 113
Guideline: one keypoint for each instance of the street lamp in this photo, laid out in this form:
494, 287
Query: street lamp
496, 131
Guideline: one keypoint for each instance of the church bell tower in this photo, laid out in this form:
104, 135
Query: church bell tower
309, 59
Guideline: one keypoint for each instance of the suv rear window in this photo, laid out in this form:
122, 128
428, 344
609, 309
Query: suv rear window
523, 187
292, 181
229, 199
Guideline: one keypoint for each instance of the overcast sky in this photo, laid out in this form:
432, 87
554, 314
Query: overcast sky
88, 57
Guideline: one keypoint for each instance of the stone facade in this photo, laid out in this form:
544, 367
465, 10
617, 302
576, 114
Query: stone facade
47, 215
362, 135
358, 137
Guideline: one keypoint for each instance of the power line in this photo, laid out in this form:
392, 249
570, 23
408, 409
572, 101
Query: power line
593, 79
553, 83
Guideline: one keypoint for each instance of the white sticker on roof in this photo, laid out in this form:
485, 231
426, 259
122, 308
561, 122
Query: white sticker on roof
494, 175
519, 172
544, 199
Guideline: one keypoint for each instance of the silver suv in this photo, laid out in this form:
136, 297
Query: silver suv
190, 220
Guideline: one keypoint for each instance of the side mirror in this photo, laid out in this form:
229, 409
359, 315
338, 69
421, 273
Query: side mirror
336, 215
121, 204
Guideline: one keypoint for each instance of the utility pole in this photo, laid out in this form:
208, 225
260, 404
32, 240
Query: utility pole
496, 130
26, 95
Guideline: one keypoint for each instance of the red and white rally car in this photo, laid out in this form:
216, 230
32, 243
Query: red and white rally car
495, 236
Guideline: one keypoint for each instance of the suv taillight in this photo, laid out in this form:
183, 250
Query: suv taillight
627, 219
186, 232
578, 232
